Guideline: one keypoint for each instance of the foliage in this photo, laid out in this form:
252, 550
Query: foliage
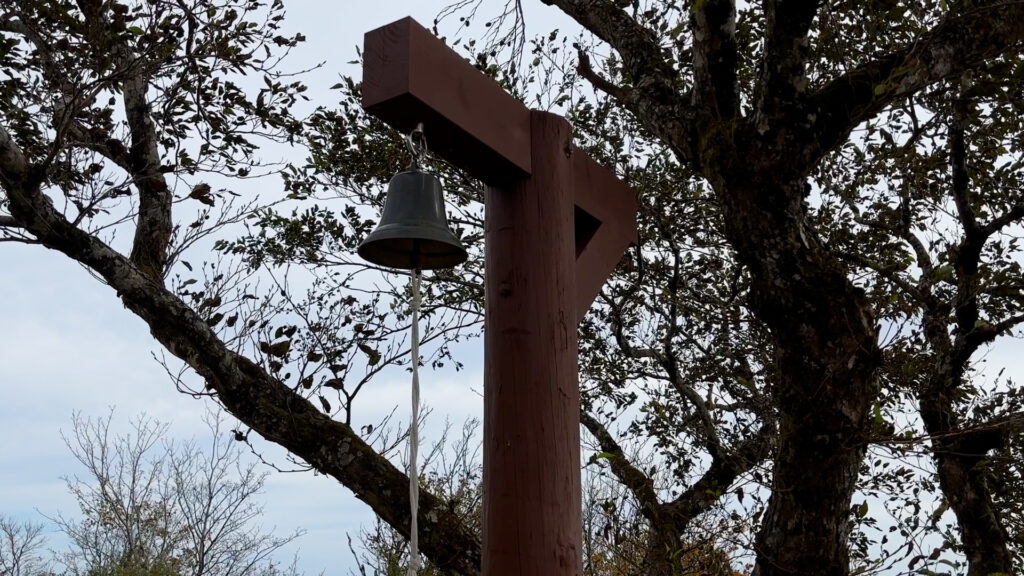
789, 366
615, 532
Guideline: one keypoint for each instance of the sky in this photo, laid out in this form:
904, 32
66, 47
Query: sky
67, 345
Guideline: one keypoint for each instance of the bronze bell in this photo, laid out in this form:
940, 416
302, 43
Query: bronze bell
413, 232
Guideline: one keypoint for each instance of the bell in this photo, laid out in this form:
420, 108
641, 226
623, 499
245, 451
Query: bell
413, 232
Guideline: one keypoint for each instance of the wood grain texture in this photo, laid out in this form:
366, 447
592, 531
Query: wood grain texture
532, 506
411, 76
601, 194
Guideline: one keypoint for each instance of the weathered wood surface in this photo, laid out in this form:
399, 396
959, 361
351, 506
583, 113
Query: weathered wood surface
556, 225
532, 507
410, 76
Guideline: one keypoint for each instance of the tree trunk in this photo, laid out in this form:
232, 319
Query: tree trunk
959, 459
963, 477
826, 355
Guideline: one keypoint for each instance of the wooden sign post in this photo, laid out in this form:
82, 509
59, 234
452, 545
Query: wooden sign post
556, 224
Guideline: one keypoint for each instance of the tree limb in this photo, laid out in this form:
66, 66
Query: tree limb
956, 44
720, 475
1014, 214
246, 390
715, 58
634, 479
600, 82
957, 454
980, 437
958, 168
888, 272
658, 104
783, 74
103, 144
712, 442
154, 227
13, 164
64, 114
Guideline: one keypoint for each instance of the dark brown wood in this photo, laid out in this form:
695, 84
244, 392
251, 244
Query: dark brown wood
532, 508
553, 216
410, 76
606, 199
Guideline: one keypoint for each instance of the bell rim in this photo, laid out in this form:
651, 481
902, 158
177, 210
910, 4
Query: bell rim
433, 253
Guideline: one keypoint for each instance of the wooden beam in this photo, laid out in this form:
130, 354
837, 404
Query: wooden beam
612, 205
411, 76
532, 511
556, 224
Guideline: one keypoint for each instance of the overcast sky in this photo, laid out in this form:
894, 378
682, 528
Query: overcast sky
67, 345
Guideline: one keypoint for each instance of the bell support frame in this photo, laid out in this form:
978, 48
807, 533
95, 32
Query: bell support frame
556, 225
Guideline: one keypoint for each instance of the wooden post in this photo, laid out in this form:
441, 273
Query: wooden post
556, 225
532, 508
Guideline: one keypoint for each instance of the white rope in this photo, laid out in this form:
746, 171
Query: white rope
414, 432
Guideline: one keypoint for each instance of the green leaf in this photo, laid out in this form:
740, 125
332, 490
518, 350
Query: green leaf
944, 274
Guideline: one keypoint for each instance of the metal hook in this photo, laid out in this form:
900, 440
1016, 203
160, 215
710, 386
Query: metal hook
416, 142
